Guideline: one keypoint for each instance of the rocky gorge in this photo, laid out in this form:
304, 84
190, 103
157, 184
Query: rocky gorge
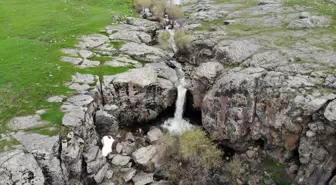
260, 76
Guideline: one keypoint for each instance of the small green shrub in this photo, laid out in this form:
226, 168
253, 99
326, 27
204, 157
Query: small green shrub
158, 11
159, 7
174, 12
189, 158
196, 146
182, 40
163, 40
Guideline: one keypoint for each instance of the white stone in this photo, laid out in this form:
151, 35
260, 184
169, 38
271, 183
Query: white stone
107, 142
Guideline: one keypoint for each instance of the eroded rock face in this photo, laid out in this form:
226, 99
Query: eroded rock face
253, 104
140, 94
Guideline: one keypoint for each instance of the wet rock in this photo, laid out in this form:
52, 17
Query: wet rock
310, 22
144, 154
100, 175
143, 178
154, 134
20, 168
120, 160
24, 122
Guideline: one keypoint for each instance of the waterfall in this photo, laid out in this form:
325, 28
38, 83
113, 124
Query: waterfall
178, 125
181, 94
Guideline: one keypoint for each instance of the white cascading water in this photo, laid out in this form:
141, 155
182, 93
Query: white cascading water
178, 125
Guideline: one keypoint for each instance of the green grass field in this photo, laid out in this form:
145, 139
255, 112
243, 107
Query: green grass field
32, 32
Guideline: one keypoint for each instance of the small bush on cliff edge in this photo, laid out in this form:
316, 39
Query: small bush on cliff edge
163, 40
189, 158
182, 40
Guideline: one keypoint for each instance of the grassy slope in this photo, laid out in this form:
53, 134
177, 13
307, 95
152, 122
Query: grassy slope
32, 32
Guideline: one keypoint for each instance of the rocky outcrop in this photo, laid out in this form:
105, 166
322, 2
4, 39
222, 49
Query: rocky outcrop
202, 80
140, 94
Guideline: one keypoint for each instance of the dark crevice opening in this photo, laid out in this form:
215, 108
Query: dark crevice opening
190, 113
145, 126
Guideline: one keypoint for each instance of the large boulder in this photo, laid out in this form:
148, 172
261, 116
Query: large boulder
20, 168
45, 149
202, 80
140, 94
